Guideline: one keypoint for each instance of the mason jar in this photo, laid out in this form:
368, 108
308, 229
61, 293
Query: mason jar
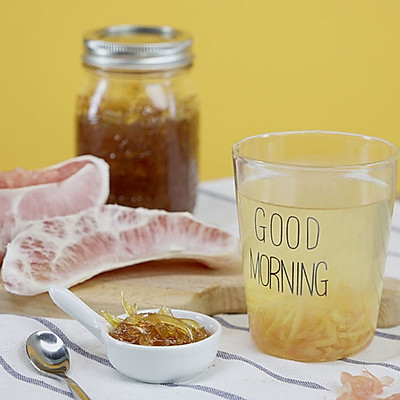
138, 110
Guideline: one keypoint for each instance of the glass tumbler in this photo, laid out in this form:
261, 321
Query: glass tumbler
314, 215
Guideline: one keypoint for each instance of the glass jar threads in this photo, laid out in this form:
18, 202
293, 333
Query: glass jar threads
138, 109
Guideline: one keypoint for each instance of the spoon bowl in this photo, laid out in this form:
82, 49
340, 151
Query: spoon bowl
151, 364
50, 356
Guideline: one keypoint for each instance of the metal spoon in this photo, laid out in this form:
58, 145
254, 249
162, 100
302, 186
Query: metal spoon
49, 355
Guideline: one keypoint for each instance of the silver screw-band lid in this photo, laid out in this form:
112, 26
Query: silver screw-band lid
135, 47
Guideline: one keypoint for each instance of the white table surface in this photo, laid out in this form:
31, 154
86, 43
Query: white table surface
239, 372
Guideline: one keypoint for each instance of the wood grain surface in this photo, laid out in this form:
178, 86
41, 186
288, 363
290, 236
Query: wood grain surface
178, 284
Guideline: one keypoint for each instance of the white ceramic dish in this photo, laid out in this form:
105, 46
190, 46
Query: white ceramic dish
146, 363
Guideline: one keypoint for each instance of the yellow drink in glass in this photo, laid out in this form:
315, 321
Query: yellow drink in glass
314, 241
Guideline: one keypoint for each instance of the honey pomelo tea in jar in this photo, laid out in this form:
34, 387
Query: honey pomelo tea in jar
314, 214
137, 109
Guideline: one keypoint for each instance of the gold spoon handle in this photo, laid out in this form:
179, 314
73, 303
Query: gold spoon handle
77, 391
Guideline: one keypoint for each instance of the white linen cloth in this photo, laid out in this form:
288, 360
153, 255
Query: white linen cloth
240, 371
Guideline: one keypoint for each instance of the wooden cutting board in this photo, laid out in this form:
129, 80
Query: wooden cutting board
177, 284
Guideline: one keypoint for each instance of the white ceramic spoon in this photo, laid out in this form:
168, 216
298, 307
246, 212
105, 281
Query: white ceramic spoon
152, 364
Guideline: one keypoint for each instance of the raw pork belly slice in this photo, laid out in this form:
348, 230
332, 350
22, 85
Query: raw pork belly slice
68, 250
27, 196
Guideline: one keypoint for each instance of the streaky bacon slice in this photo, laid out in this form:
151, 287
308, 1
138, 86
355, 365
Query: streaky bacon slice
71, 249
27, 196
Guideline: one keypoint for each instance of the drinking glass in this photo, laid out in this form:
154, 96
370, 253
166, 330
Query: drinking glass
314, 214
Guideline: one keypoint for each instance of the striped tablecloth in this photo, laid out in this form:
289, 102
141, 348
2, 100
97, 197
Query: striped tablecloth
240, 371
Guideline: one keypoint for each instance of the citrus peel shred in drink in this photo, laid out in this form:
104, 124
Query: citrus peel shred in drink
306, 332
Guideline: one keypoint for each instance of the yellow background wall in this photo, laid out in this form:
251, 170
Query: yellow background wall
261, 66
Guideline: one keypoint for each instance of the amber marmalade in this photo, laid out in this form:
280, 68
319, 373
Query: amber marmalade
152, 156
152, 330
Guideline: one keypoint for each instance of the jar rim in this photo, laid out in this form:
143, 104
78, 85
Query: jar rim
137, 47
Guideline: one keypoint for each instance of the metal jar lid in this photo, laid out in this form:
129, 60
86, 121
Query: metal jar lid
135, 47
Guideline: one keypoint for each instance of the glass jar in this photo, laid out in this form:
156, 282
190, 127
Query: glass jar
138, 110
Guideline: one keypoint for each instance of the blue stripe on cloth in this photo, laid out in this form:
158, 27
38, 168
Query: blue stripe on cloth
393, 254
385, 335
308, 384
229, 325
38, 382
395, 228
380, 364
70, 344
